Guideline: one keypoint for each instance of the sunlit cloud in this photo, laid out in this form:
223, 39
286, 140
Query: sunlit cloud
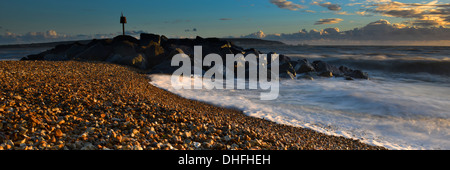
422, 15
343, 13
310, 11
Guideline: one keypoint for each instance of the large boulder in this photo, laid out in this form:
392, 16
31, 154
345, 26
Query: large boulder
33, 57
139, 60
106, 42
304, 66
253, 51
54, 54
165, 66
146, 39
326, 74
323, 67
97, 52
124, 48
237, 50
154, 53
358, 74
124, 52
55, 57
122, 38
179, 42
213, 45
61, 49
75, 50
58, 53
287, 70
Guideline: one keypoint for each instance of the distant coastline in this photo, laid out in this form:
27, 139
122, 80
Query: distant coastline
46, 44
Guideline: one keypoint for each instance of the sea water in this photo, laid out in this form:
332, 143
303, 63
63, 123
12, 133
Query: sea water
404, 105
12, 54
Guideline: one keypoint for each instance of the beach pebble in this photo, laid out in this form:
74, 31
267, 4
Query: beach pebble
197, 144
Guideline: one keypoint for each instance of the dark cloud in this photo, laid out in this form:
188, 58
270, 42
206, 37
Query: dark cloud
328, 21
329, 5
132, 32
425, 23
284, 4
225, 19
189, 30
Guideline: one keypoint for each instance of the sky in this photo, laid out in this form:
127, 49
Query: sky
24, 21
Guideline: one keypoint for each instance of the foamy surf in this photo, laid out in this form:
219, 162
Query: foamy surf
393, 114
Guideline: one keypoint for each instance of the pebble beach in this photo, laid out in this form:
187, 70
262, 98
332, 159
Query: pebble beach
72, 105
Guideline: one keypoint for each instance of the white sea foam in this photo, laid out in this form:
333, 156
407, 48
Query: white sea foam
397, 115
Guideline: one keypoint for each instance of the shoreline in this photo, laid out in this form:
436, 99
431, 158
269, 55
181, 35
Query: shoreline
94, 105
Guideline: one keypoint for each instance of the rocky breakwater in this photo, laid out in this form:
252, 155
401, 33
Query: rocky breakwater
153, 53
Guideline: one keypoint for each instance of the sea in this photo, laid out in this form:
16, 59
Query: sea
16, 53
405, 104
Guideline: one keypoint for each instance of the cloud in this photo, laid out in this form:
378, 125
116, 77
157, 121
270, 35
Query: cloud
260, 34
422, 14
377, 31
425, 23
50, 34
353, 4
378, 1
329, 5
133, 32
328, 21
343, 13
310, 11
47, 36
225, 19
189, 30
363, 13
284, 4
